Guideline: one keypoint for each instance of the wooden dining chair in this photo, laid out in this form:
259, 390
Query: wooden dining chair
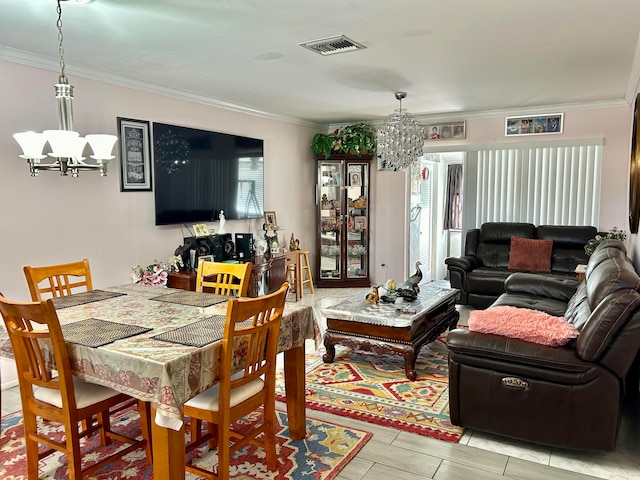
252, 324
224, 278
61, 280
58, 280
39, 347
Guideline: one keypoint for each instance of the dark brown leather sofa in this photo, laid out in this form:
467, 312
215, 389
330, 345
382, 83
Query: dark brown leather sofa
569, 396
481, 272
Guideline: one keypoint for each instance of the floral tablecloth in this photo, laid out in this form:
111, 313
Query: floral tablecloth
164, 373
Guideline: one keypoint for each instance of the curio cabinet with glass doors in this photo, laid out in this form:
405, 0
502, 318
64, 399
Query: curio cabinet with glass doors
343, 221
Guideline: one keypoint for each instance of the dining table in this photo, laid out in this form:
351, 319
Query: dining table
162, 346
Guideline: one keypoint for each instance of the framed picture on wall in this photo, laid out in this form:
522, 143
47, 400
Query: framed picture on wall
135, 157
445, 131
534, 124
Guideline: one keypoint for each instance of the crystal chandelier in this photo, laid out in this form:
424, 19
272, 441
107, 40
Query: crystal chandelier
67, 147
400, 139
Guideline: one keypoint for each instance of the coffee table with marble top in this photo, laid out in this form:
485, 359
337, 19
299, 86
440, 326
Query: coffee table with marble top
398, 328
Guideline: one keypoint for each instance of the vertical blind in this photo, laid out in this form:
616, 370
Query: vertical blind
543, 185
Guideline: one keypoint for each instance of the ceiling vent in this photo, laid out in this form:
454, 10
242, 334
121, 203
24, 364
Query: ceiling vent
332, 45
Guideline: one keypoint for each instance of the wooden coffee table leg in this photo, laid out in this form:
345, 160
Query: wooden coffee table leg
329, 346
409, 355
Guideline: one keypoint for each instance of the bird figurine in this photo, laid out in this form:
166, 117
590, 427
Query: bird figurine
413, 281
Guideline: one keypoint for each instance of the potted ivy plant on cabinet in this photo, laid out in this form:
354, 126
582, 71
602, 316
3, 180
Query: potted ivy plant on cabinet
355, 139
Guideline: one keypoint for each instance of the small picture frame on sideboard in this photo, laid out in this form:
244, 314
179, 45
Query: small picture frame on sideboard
205, 258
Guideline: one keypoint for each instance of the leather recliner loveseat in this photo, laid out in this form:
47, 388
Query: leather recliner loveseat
569, 396
481, 272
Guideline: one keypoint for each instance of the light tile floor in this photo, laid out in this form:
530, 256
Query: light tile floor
393, 454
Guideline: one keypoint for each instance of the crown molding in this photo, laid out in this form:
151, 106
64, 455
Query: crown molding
48, 63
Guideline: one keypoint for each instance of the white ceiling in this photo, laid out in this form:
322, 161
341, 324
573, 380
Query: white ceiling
455, 59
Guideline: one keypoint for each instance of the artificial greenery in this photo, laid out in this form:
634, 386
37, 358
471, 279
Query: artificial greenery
323, 143
613, 233
357, 138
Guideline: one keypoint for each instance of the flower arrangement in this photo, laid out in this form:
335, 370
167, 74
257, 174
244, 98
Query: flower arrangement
356, 139
615, 233
155, 274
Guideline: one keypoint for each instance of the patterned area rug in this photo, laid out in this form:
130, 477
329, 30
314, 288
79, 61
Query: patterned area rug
373, 388
325, 451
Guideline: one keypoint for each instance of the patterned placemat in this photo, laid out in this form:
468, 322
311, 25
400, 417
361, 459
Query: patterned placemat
83, 297
196, 299
196, 334
94, 332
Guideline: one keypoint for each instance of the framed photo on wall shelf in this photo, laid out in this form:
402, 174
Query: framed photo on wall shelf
445, 131
270, 220
551, 123
135, 157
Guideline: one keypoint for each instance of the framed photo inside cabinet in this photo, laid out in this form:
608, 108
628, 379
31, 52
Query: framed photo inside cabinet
355, 175
360, 223
135, 157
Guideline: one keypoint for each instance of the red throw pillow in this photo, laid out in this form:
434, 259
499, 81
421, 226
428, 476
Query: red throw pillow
529, 325
530, 255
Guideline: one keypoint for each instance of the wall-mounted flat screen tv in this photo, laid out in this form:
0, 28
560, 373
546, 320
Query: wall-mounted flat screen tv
198, 173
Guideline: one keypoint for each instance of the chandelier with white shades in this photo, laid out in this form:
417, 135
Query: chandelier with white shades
67, 146
400, 138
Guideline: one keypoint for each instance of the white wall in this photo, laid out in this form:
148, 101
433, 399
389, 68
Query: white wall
612, 124
50, 219
53, 219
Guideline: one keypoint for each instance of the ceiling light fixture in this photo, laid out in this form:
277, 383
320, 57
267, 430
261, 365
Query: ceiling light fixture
67, 146
400, 139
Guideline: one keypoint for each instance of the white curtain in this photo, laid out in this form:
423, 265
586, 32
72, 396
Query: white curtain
553, 184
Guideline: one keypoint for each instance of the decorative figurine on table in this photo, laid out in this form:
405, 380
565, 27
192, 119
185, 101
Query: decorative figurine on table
409, 288
294, 243
223, 220
275, 245
373, 297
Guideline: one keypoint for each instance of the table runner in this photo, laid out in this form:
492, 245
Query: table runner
93, 332
82, 298
195, 299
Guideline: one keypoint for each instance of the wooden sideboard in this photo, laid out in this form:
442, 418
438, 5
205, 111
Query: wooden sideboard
266, 275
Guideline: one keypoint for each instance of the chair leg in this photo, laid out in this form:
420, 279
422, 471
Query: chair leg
223, 450
270, 436
104, 421
31, 446
74, 457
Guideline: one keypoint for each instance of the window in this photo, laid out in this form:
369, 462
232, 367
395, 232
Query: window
554, 184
